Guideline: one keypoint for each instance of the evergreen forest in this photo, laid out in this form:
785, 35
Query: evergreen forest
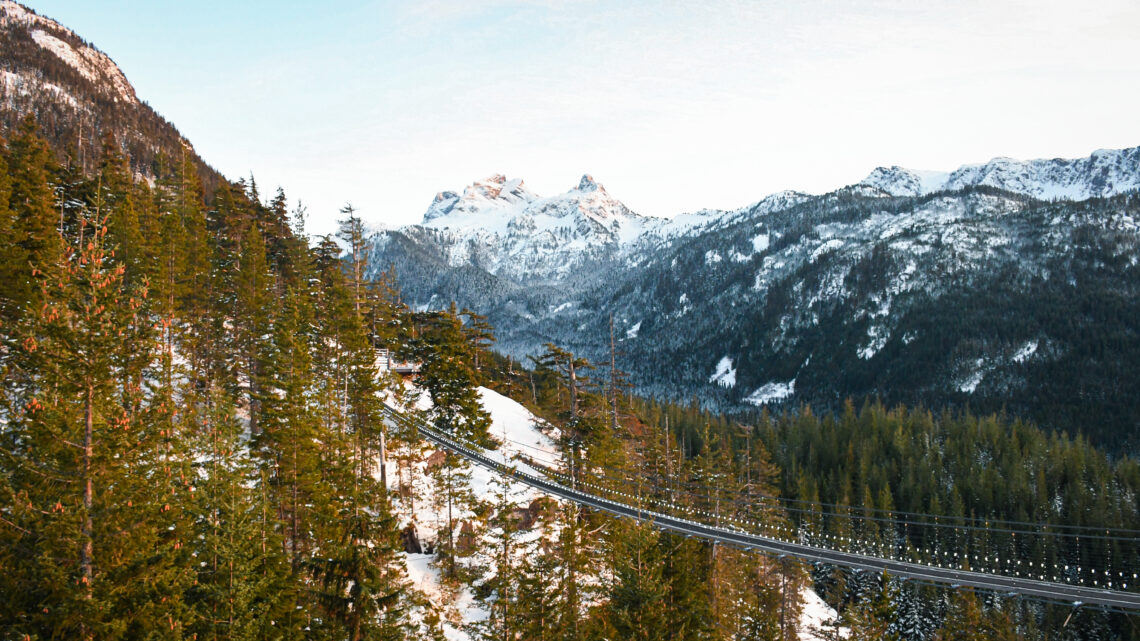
194, 444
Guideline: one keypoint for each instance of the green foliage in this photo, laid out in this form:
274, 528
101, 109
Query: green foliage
189, 417
191, 422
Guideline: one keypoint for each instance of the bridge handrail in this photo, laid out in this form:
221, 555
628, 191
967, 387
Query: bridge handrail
1032, 588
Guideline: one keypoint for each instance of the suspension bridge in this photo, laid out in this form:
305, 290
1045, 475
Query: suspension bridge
1109, 591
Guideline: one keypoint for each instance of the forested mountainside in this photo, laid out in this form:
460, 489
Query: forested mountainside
192, 437
970, 296
79, 95
193, 445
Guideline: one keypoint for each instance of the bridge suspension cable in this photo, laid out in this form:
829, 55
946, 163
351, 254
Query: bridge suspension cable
1028, 581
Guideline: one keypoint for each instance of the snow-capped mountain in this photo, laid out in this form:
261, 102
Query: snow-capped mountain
1106, 172
501, 226
78, 94
586, 215
939, 289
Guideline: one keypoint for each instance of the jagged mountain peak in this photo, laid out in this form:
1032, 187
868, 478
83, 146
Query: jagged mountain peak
589, 184
496, 202
494, 194
900, 181
499, 224
15, 13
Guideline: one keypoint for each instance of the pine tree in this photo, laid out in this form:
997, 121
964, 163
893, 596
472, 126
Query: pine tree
352, 232
686, 573
114, 196
447, 375
502, 586
12, 257
480, 333
362, 588
636, 606
874, 619
254, 321
537, 598
241, 590
36, 224
87, 447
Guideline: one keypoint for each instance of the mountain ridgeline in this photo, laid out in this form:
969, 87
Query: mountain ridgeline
1004, 286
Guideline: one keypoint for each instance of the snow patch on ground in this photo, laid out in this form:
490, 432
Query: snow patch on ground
518, 432
760, 242
877, 337
632, 331
973, 380
1027, 350
425, 578
725, 374
830, 245
817, 618
771, 392
64, 52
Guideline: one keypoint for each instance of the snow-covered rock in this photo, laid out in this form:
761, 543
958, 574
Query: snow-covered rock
92, 64
898, 181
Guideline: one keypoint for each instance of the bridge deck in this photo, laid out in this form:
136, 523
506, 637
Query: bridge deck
948, 576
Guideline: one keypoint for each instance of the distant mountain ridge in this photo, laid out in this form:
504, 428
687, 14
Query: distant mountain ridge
500, 206
1106, 172
967, 287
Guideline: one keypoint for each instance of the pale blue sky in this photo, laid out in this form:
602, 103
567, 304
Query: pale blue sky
674, 106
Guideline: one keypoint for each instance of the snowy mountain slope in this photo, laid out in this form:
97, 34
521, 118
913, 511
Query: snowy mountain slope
899, 181
1106, 172
517, 238
92, 64
78, 94
978, 297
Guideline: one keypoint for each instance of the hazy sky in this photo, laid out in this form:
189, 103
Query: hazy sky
674, 106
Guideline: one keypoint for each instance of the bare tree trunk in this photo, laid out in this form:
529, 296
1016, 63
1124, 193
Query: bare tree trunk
613, 378
783, 602
383, 458
87, 550
293, 521
254, 394
573, 389
450, 522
